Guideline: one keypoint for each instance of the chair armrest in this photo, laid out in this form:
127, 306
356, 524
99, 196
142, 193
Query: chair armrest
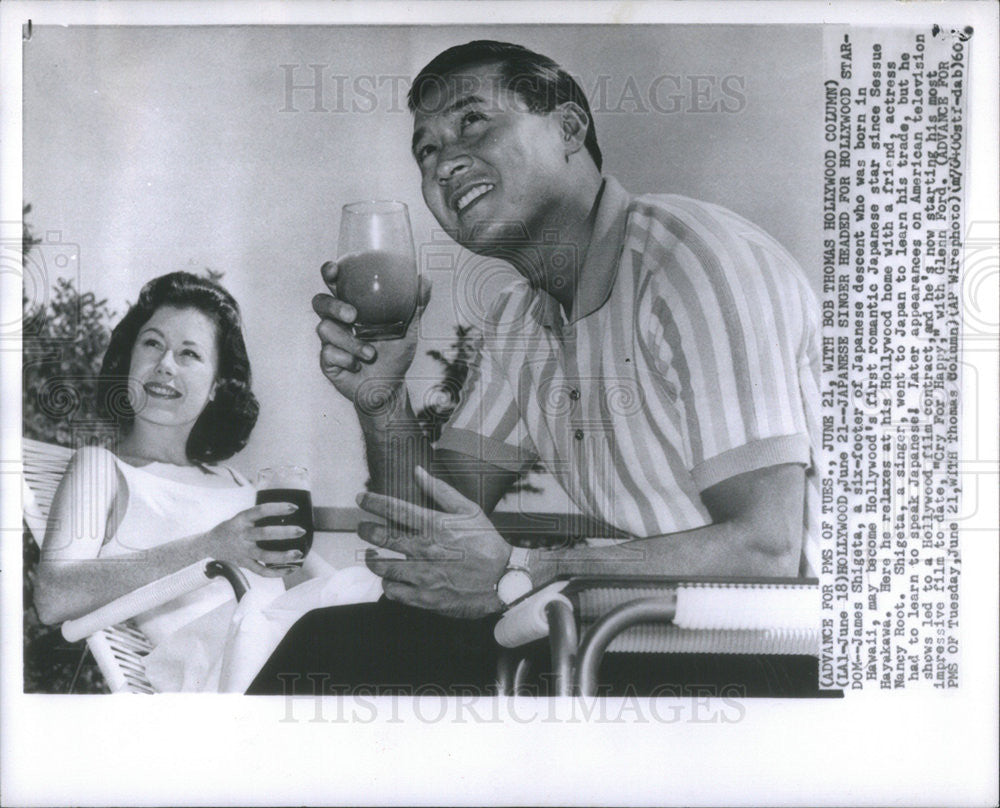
526, 620
705, 601
223, 569
152, 595
678, 615
600, 635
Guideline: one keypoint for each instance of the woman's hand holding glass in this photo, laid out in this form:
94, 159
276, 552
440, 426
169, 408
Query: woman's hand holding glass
235, 540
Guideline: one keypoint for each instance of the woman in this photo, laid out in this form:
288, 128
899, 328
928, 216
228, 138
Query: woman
176, 378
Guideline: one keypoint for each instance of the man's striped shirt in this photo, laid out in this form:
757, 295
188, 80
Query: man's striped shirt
692, 357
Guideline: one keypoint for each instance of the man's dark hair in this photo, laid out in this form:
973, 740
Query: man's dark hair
224, 426
538, 80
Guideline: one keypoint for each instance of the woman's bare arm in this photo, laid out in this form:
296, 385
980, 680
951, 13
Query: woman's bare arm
73, 580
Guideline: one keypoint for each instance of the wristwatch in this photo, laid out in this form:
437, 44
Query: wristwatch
516, 581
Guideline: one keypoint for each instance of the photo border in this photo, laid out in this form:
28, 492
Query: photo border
869, 748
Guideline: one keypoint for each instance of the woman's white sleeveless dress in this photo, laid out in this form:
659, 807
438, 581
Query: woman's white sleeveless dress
158, 511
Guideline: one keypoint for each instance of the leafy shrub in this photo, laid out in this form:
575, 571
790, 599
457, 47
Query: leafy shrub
64, 341
455, 368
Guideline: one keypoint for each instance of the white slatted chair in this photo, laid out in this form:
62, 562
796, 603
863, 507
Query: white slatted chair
118, 646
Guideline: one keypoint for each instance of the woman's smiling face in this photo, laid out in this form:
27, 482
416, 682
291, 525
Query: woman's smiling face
174, 365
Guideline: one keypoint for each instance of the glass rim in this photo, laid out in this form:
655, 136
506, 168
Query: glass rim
283, 467
367, 207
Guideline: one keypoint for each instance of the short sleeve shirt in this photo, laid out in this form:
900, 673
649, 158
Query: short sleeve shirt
696, 360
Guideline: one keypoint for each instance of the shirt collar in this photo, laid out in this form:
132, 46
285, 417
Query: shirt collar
600, 264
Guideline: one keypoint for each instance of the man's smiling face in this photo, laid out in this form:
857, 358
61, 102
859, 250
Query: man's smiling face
491, 170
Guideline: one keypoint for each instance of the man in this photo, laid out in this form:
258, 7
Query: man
661, 363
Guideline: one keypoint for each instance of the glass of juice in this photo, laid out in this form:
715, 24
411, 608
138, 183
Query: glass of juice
287, 484
377, 268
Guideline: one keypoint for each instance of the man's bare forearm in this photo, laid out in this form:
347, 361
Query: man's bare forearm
394, 445
725, 549
756, 531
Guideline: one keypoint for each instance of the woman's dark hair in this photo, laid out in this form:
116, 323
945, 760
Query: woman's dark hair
224, 426
537, 79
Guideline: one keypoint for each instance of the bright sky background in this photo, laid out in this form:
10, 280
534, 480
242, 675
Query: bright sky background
173, 148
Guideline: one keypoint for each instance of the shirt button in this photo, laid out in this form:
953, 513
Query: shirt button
578, 434
574, 394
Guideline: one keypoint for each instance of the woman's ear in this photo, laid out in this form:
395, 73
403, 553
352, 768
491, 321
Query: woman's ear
211, 393
574, 123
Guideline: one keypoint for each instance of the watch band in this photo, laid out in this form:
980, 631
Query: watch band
516, 581
518, 559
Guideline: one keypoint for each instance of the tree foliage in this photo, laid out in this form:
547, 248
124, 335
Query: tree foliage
447, 393
64, 338
61, 362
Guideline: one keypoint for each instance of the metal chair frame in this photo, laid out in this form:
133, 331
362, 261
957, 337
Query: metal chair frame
577, 649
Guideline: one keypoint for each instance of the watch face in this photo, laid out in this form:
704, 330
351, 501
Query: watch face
513, 585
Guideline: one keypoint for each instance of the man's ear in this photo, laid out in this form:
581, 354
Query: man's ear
574, 123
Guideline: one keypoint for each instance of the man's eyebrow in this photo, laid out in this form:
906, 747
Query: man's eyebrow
464, 101
454, 106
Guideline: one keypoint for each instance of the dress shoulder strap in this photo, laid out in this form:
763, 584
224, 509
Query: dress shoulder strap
238, 478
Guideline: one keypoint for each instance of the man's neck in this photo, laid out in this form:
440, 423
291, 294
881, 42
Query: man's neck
556, 256
566, 292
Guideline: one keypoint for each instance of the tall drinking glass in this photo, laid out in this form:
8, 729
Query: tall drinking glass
377, 268
287, 484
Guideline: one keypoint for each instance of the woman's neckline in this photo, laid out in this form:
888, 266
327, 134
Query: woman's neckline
209, 471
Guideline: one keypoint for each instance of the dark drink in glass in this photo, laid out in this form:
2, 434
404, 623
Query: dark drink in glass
303, 518
287, 484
